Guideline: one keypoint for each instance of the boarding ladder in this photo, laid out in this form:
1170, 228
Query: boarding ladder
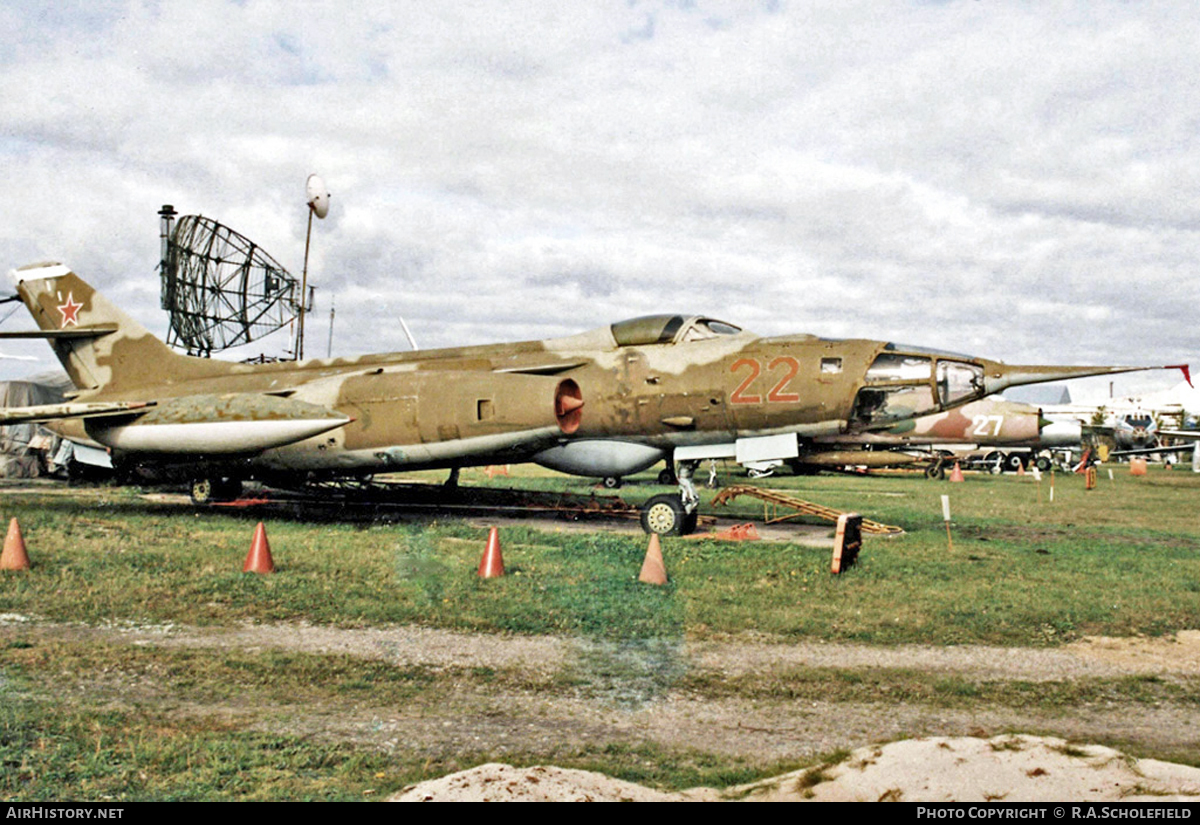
774, 500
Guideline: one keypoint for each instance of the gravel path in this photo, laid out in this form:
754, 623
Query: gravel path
524, 720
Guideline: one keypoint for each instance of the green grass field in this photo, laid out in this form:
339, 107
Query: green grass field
1120, 560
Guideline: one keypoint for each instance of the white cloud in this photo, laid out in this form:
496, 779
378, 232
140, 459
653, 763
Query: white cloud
1014, 180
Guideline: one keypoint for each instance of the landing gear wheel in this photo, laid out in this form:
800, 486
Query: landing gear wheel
936, 471
667, 477
690, 522
1014, 462
202, 491
208, 490
1043, 464
666, 516
611, 482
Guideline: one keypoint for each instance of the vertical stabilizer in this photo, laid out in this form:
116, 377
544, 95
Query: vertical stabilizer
98, 345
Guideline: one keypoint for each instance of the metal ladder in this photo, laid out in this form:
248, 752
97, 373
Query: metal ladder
773, 500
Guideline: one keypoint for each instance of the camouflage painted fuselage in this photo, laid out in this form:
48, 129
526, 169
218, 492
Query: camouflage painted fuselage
605, 402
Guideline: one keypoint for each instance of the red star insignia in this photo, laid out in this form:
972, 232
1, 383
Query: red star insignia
70, 311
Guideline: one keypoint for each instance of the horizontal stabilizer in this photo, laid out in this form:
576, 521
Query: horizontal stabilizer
98, 331
51, 412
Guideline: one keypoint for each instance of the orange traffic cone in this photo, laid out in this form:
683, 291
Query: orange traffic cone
653, 569
1020, 468
492, 564
259, 560
956, 473
14, 556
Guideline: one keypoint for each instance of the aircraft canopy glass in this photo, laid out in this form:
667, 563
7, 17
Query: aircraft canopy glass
894, 367
957, 381
666, 329
899, 387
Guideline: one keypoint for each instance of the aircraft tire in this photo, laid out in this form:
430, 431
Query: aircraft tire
207, 490
667, 477
202, 490
611, 482
690, 522
935, 471
1043, 464
664, 514
1013, 462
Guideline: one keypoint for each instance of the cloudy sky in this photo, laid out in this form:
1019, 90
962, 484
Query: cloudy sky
1008, 179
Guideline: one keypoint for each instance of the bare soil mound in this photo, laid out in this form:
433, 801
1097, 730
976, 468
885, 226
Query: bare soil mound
937, 769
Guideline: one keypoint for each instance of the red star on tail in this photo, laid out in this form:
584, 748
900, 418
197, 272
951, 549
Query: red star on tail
70, 311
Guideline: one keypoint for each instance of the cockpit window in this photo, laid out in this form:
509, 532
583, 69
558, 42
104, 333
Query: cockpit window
665, 329
649, 329
957, 381
701, 329
894, 367
883, 405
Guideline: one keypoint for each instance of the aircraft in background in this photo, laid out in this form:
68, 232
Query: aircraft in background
608, 402
1135, 430
1012, 434
1139, 434
1133, 424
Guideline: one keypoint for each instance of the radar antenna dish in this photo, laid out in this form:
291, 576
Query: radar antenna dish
222, 290
318, 195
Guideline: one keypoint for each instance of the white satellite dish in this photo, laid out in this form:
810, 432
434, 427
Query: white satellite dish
318, 195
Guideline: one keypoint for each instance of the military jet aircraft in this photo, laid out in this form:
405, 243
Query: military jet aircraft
1138, 433
608, 402
991, 424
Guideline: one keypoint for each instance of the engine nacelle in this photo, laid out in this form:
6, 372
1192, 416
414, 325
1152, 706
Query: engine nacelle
1061, 434
394, 407
215, 425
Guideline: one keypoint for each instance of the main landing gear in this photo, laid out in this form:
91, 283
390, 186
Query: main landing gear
671, 514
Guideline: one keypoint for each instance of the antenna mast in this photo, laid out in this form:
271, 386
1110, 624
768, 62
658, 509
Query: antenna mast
318, 204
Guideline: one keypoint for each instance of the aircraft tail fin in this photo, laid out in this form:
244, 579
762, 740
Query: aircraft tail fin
99, 345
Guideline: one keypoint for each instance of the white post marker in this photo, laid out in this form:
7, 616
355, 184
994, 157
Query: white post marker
946, 518
1110, 477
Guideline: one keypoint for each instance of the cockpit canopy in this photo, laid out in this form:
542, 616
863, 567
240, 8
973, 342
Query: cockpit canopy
669, 329
899, 385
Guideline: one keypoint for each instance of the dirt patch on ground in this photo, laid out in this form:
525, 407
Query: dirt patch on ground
1090, 657
643, 705
1169, 654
